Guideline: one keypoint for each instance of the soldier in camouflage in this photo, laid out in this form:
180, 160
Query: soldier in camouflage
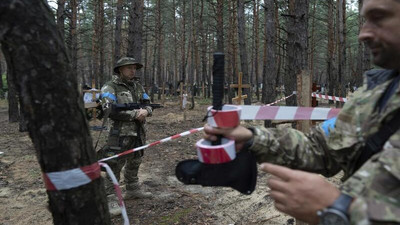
369, 194
127, 129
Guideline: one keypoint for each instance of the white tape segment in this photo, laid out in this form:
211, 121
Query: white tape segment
327, 97
250, 112
73, 178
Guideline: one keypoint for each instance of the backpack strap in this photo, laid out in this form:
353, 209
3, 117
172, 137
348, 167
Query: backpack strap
374, 143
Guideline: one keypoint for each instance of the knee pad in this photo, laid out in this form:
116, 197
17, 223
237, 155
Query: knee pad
239, 174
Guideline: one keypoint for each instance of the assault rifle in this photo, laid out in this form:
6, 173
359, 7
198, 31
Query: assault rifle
131, 106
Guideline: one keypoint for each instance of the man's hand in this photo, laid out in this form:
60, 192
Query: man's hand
141, 115
299, 194
240, 134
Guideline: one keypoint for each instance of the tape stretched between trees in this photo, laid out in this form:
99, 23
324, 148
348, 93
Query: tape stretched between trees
327, 97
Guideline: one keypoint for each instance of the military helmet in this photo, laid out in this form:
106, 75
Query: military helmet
126, 61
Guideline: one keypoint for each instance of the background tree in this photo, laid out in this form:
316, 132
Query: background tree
269, 65
60, 134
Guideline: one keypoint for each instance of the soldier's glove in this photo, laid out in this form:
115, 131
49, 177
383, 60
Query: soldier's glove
239, 174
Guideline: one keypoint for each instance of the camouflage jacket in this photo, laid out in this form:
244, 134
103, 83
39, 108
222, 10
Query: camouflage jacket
124, 122
329, 149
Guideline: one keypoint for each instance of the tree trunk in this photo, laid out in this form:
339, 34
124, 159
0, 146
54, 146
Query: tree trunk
243, 50
183, 43
297, 45
61, 17
1, 75
312, 49
220, 25
159, 47
175, 49
102, 77
256, 46
203, 44
269, 67
60, 134
232, 50
135, 34
340, 89
73, 37
331, 70
118, 30
12, 97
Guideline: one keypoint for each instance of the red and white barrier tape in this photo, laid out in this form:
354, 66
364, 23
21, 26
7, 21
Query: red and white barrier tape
216, 154
68, 179
250, 112
192, 131
273, 103
118, 191
228, 117
327, 97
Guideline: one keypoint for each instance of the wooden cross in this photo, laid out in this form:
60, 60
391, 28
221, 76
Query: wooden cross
239, 98
92, 104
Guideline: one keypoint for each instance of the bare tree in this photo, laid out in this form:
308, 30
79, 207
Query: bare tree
60, 134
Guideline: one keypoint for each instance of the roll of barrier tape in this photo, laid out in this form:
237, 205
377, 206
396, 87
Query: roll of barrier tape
228, 117
215, 154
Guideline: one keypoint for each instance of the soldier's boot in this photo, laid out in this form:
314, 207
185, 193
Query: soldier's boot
113, 207
135, 192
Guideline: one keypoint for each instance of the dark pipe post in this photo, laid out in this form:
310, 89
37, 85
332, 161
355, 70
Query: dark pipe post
218, 84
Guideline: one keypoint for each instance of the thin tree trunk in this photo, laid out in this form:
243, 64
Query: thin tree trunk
95, 44
118, 30
256, 46
176, 73
1, 75
12, 97
183, 44
203, 44
243, 50
102, 78
61, 17
341, 49
73, 36
60, 134
135, 34
331, 51
220, 25
269, 67
159, 47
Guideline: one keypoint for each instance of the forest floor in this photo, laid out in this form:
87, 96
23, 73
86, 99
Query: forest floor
23, 199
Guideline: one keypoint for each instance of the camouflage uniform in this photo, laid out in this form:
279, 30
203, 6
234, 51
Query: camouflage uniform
327, 150
125, 131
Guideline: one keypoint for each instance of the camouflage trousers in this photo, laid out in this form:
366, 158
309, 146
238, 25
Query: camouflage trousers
131, 162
